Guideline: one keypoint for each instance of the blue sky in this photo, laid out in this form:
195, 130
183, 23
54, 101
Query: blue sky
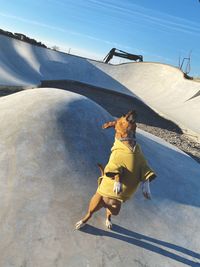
161, 31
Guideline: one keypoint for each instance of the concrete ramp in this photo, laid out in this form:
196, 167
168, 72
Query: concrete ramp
50, 143
161, 87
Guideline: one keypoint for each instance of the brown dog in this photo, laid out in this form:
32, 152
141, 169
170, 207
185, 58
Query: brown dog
125, 170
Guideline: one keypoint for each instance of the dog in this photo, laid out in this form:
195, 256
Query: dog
124, 172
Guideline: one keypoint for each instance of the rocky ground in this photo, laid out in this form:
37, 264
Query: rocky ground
180, 140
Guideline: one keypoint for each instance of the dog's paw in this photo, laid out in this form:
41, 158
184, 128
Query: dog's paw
117, 187
79, 225
108, 224
146, 190
147, 195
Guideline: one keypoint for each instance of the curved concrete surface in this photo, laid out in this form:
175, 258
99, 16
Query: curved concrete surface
50, 143
163, 88
160, 86
115, 103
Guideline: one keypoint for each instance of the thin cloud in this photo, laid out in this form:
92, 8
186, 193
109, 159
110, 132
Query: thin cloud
139, 14
32, 22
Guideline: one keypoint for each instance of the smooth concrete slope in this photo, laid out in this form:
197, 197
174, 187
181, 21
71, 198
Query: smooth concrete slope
50, 143
23, 64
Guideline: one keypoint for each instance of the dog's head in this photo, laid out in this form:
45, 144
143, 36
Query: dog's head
125, 126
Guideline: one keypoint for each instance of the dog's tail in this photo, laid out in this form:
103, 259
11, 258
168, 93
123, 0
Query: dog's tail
101, 169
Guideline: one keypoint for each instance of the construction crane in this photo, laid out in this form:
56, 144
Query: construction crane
123, 54
185, 65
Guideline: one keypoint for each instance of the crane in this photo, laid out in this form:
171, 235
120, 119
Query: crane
123, 54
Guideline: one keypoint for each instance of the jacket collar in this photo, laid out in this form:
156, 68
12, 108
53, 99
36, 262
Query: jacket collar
119, 145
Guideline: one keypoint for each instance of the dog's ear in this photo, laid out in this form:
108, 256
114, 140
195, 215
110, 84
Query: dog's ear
109, 124
131, 116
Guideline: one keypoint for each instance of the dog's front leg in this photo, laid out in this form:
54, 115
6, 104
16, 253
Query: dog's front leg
117, 184
146, 189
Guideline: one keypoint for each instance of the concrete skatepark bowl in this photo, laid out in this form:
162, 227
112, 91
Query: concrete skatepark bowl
162, 87
48, 173
51, 141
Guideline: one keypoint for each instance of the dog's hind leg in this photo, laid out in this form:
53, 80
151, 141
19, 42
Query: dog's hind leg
96, 204
112, 210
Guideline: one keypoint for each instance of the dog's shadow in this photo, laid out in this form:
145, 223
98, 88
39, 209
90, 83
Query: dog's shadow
145, 242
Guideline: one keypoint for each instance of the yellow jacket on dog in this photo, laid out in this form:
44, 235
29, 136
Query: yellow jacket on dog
132, 168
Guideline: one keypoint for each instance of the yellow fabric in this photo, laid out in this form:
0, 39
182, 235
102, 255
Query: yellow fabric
132, 168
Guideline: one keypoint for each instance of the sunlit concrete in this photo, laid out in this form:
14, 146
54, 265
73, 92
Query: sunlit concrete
51, 141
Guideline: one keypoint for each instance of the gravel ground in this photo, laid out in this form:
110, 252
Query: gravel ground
182, 141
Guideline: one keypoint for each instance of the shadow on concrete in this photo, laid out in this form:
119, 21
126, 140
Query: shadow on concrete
146, 242
115, 103
81, 115
17, 65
